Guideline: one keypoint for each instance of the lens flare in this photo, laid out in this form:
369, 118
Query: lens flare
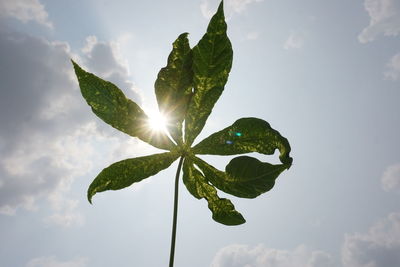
158, 122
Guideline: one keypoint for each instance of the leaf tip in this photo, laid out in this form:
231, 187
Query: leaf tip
77, 68
74, 63
286, 159
89, 196
221, 5
233, 219
183, 35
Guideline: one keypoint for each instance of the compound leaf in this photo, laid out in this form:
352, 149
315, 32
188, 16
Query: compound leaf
173, 86
212, 61
222, 209
126, 172
243, 136
109, 103
245, 176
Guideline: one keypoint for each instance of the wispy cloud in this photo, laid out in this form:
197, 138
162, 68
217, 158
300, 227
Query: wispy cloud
231, 6
393, 68
390, 179
379, 247
25, 11
66, 213
253, 35
54, 262
384, 19
294, 41
261, 256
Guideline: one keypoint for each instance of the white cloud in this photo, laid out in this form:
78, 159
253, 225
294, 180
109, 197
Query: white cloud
49, 136
239, 6
35, 74
65, 211
261, 256
384, 19
294, 41
231, 7
390, 179
53, 262
393, 68
104, 59
25, 10
379, 247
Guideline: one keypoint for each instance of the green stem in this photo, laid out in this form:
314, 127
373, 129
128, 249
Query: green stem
172, 253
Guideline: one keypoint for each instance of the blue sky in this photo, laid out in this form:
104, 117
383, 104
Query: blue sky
326, 74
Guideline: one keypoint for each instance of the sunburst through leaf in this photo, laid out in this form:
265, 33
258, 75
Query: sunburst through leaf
187, 90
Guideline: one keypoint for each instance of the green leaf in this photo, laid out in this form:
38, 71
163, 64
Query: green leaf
212, 61
173, 86
222, 209
109, 103
245, 176
126, 172
243, 136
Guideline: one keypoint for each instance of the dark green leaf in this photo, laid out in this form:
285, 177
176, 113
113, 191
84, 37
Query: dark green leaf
245, 176
212, 61
222, 209
126, 172
173, 86
109, 103
243, 136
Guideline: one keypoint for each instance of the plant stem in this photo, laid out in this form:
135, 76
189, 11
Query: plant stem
174, 222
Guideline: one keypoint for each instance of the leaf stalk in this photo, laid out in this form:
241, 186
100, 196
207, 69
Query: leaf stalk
175, 216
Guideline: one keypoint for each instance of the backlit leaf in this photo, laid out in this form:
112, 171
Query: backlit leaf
126, 172
212, 61
222, 209
244, 136
245, 176
109, 103
187, 89
173, 86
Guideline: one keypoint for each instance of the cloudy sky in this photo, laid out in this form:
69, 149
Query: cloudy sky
326, 74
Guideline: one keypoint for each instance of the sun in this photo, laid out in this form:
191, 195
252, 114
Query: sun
157, 121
